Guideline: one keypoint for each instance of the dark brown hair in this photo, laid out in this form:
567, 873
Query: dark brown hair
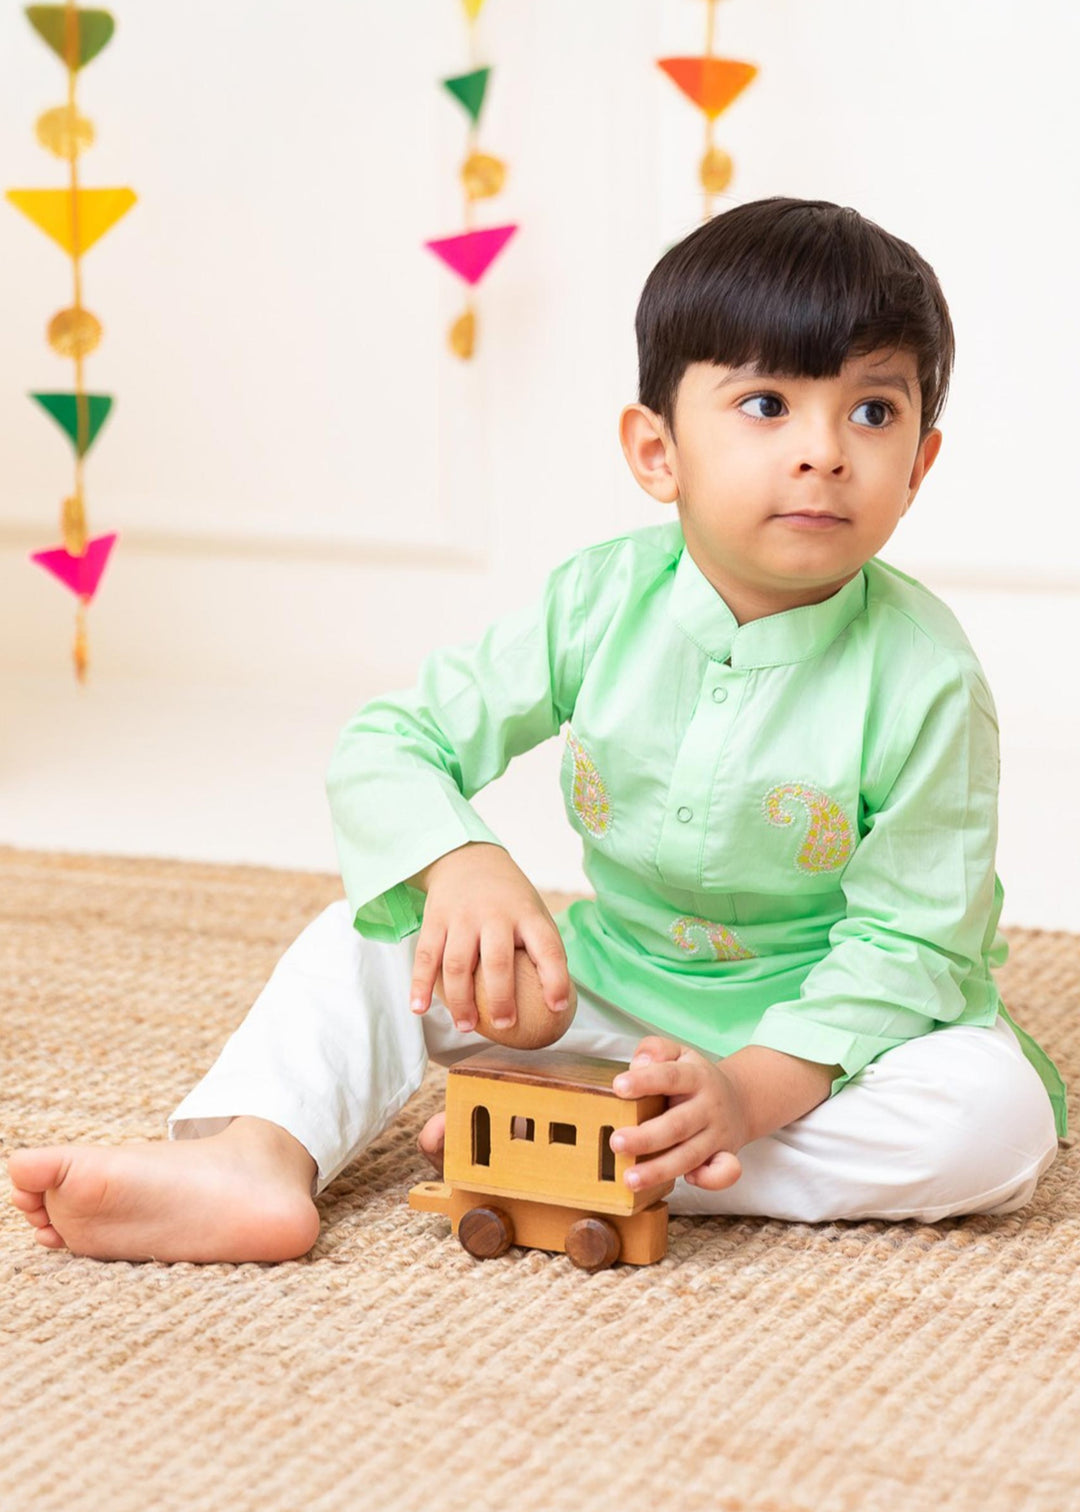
797, 287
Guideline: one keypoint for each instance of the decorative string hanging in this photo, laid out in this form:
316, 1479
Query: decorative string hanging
472, 252
75, 219
712, 84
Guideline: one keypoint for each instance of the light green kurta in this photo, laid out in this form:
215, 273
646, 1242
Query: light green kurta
790, 825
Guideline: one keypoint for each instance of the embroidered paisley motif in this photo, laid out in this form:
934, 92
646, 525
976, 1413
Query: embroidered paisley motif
828, 836
589, 796
725, 943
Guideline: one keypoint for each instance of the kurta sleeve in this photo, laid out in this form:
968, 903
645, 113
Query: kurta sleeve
922, 895
405, 767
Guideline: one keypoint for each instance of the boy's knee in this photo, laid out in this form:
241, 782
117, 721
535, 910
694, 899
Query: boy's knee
993, 1119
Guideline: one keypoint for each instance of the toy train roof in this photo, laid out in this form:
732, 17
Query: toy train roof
543, 1068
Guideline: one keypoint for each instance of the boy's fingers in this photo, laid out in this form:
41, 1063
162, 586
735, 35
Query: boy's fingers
652, 1051
647, 1076
497, 964
458, 969
544, 944
669, 1162
674, 1129
426, 962
654, 1048
719, 1172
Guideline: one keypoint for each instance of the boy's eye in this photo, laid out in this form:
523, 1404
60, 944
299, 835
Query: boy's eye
880, 412
768, 400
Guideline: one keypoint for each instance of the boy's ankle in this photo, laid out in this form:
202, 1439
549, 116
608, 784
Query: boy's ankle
273, 1142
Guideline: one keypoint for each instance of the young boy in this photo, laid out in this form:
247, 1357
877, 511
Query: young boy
782, 761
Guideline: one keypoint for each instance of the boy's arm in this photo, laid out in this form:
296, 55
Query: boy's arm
775, 1089
407, 764
922, 896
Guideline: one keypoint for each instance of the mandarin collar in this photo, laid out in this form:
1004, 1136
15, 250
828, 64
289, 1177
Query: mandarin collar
794, 635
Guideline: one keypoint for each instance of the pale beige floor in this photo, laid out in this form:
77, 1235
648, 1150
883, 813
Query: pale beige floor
228, 774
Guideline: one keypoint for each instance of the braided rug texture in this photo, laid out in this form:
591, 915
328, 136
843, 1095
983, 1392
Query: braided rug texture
760, 1367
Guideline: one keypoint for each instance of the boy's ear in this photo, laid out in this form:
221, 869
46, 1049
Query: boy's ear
649, 449
925, 457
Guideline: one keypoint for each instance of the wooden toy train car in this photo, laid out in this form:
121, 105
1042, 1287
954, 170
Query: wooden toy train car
528, 1160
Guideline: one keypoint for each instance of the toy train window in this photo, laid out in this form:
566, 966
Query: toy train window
607, 1154
481, 1136
525, 1128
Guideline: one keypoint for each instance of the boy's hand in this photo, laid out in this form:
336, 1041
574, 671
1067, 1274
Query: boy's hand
480, 907
702, 1127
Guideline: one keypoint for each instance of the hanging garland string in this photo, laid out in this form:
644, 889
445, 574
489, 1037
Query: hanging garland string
470, 253
712, 84
74, 219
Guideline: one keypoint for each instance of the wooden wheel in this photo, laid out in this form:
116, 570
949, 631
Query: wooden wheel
486, 1232
593, 1243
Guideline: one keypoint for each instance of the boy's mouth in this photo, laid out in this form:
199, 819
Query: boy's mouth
811, 517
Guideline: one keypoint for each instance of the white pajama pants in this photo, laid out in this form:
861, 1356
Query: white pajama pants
956, 1121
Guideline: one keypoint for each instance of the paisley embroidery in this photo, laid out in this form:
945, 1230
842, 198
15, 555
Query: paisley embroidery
828, 837
590, 797
725, 942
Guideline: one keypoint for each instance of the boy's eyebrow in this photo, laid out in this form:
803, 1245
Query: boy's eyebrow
869, 377
886, 380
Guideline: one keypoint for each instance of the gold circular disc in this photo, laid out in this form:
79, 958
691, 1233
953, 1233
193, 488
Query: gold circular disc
482, 175
74, 332
717, 169
64, 132
463, 335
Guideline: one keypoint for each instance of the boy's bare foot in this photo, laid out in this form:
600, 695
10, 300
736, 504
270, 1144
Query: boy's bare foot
243, 1194
431, 1141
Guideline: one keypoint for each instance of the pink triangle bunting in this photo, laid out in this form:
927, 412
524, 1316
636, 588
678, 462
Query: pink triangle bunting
79, 573
471, 254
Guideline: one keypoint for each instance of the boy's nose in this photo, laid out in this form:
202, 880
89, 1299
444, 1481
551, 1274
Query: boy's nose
830, 467
821, 451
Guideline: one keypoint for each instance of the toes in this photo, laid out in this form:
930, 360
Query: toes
26, 1202
32, 1207
38, 1170
49, 1237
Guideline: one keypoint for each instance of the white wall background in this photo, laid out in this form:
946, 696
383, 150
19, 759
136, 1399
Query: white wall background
311, 492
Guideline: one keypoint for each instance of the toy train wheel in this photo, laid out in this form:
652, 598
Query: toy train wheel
593, 1243
486, 1232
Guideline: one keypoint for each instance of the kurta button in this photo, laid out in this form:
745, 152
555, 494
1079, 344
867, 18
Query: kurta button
685, 815
719, 694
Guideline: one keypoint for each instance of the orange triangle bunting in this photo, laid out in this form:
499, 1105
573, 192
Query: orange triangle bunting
712, 83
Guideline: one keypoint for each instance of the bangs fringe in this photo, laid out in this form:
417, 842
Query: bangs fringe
795, 288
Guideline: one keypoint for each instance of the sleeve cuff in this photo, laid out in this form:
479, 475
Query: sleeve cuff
395, 911
394, 914
795, 1035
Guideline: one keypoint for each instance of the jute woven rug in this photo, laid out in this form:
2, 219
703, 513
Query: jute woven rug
761, 1367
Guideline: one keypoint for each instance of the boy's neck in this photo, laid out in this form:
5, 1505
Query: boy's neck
748, 602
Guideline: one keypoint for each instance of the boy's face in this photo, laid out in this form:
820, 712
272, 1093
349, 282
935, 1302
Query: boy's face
757, 455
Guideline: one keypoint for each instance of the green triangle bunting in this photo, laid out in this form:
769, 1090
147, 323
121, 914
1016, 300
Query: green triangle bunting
470, 89
64, 408
93, 30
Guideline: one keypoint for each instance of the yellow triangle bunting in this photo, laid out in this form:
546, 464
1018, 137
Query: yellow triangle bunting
52, 211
